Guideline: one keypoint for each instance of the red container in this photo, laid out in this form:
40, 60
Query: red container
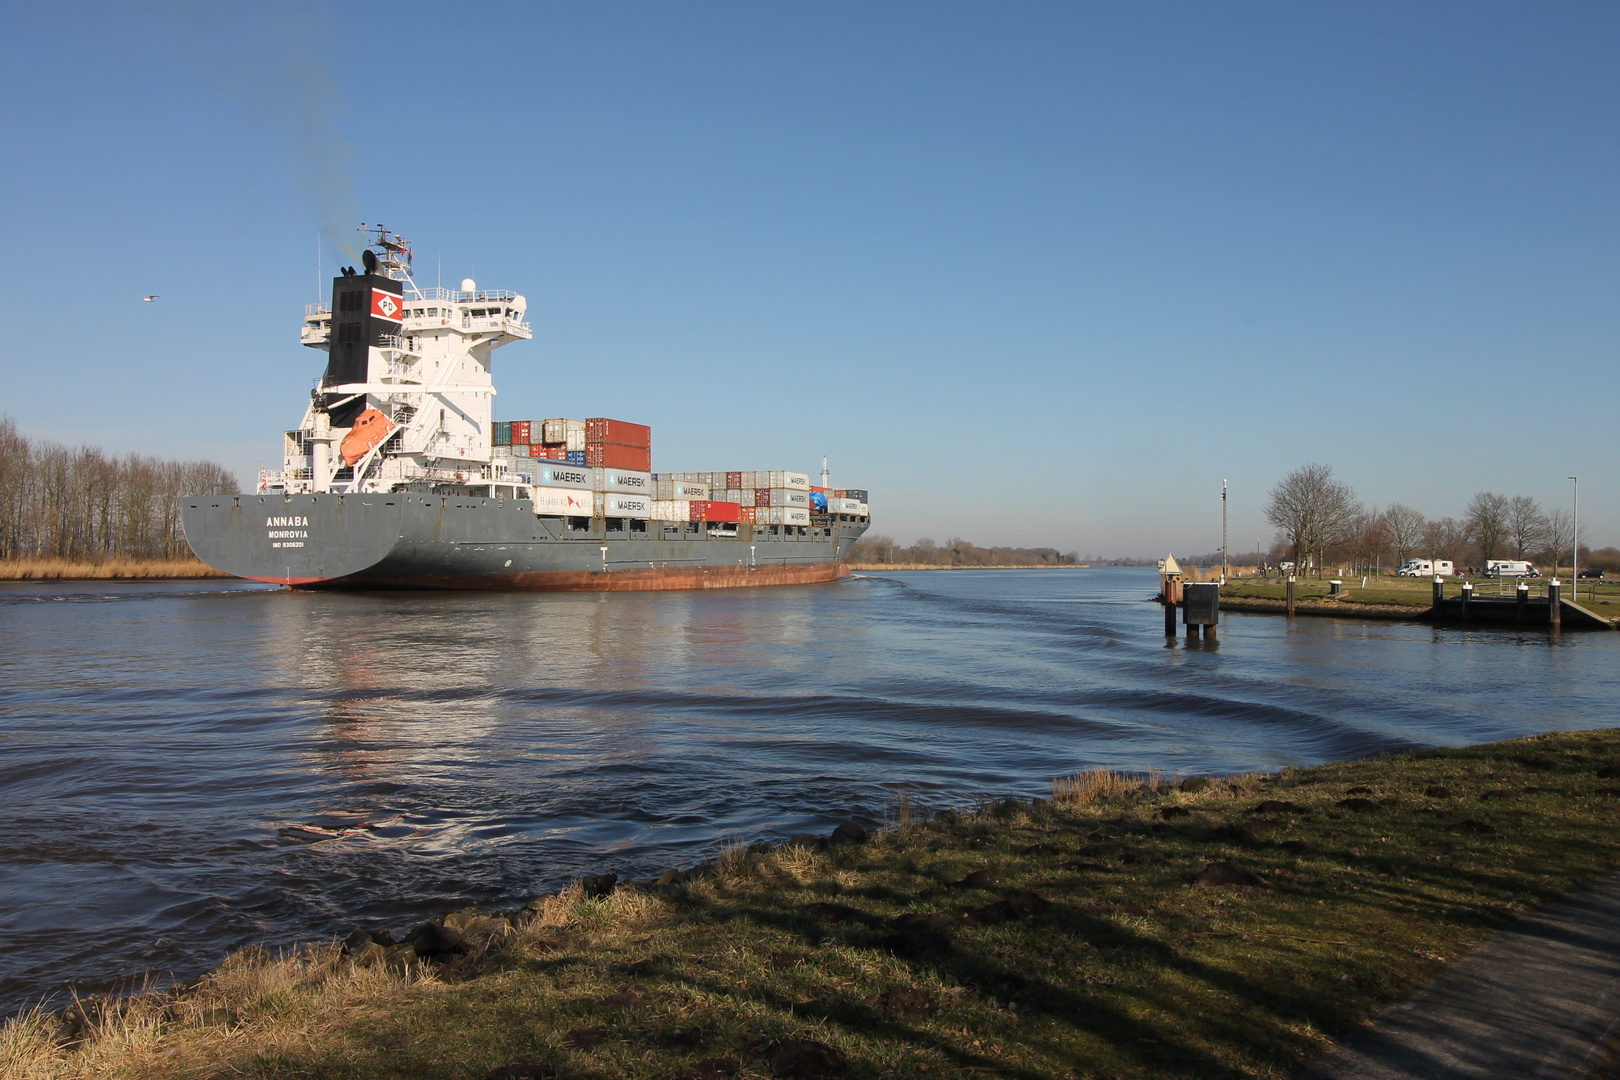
548, 453
734, 481
614, 456
762, 496
745, 514
600, 429
709, 510
826, 491
520, 431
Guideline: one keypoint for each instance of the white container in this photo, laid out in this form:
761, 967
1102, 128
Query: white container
789, 497
624, 480
670, 510
559, 474
563, 502
617, 505
845, 506
782, 515
681, 489
554, 432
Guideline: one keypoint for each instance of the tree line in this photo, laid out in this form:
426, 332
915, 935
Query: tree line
955, 552
1320, 522
83, 505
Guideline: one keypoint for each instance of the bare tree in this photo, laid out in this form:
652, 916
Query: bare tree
1443, 538
1487, 523
1314, 509
1558, 534
1526, 524
1405, 527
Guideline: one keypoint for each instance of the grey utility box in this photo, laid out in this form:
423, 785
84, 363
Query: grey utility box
1201, 603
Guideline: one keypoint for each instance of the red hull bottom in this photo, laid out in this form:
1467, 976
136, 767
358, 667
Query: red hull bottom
659, 579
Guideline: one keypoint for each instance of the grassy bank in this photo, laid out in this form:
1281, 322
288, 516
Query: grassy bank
1602, 597
108, 570
1233, 928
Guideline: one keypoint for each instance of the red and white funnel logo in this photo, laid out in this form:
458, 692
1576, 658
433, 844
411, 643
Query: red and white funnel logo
386, 306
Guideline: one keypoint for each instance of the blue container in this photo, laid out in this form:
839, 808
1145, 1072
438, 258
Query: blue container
576, 457
502, 435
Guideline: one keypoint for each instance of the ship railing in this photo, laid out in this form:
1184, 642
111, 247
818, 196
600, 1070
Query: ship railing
457, 297
317, 309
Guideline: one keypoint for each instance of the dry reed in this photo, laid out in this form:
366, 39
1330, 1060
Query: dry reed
1093, 785
106, 570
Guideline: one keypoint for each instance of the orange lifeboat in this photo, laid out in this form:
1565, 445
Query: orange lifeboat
370, 429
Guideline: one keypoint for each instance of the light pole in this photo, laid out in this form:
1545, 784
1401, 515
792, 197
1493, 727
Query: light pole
1575, 544
1225, 569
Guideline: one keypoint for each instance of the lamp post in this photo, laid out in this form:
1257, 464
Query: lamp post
1575, 544
1225, 569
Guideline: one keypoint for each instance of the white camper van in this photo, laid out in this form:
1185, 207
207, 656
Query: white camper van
1427, 568
1510, 568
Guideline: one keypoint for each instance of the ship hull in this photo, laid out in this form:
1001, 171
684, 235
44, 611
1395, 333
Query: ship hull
432, 541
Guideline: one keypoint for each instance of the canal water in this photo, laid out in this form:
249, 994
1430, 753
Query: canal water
170, 752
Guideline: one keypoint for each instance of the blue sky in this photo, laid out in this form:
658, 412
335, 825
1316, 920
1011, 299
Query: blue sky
1032, 273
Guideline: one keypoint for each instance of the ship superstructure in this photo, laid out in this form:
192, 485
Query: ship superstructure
414, 361
399, 476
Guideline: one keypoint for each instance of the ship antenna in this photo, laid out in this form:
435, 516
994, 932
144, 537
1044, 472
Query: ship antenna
824, 470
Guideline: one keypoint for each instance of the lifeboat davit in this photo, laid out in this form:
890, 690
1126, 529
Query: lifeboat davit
370, 429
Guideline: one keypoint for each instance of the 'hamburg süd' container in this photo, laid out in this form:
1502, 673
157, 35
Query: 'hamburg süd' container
682, 489
781, 515
616, 456
625, 480
501, 433
707, 510
599, 429
561, 502
781, 497
520, 431
615, 504
670, 510
567, 476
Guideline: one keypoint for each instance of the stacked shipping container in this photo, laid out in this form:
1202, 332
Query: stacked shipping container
602, 467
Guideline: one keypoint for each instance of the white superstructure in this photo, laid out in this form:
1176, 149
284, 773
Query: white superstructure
408, 376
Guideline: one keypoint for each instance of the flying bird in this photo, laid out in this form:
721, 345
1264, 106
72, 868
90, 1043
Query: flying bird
150, 298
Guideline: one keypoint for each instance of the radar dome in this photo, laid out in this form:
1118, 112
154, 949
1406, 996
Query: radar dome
469, 285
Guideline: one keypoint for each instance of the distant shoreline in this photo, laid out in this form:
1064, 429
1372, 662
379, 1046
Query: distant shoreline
930, 566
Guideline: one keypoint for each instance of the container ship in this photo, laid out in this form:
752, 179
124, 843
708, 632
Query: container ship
400, 477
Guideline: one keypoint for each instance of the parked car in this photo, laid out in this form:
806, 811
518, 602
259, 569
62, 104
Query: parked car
1592, 572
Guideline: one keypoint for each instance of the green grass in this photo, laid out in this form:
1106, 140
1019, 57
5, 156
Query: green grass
1601, 596
880, 955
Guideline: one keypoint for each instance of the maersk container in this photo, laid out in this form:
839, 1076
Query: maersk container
615, 504
681, 489
561, 502
625, 480
557, 474
501, 435
845, 506
781, 515
781, 497
775, 478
